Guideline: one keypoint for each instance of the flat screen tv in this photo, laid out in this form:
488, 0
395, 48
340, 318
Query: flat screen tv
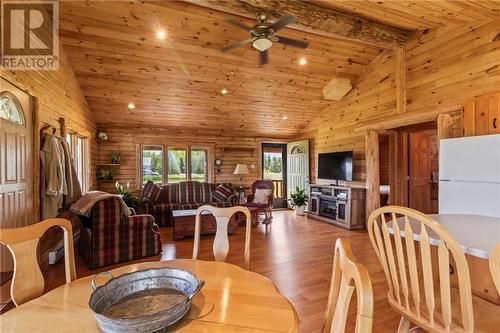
335, 166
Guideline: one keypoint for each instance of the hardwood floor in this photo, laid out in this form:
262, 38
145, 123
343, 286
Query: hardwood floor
296, 253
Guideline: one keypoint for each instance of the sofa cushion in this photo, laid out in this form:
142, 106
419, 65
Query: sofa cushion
223, 193
165, 208
152, 191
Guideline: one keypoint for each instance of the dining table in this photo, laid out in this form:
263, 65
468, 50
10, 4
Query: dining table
478, 236
232, 300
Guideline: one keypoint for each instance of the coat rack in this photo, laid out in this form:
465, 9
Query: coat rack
50, 129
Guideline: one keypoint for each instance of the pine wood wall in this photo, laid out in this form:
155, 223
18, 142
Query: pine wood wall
444, 67
58, 94
231, 150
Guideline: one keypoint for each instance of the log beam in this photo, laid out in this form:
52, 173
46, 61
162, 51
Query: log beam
372, 172
314, 19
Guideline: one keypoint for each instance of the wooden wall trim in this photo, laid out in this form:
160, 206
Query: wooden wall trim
400, 77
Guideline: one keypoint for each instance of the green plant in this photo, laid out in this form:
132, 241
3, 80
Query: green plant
298, 198
103, 174
130, 199
116, 157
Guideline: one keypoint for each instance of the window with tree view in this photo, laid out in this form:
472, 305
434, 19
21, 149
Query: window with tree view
199, 164
152, 164
176, 165
273, 165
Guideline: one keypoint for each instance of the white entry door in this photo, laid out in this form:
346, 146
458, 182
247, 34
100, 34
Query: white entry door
16, 162
297, 165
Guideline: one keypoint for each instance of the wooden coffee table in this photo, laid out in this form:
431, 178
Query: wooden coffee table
184, 221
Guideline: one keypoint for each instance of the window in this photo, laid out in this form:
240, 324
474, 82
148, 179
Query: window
177, 165
10, 109
199, 164
180, 163
81, 158
152, 164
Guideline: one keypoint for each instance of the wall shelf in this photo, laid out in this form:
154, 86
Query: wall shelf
107, 165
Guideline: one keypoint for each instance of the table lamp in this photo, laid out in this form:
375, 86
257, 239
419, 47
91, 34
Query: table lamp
240, 170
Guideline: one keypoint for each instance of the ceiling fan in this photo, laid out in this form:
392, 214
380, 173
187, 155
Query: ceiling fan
263, 35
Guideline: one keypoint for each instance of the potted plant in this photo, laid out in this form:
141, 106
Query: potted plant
104, 174
298, 200
116, 157
130, 199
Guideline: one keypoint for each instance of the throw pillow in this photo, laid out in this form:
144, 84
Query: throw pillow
222, 193
152, 191
261, 196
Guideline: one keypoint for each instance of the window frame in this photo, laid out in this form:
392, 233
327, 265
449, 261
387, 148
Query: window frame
72, 138
141, 162
209, 170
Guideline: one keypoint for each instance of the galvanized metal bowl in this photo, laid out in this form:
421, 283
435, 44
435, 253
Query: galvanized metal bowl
143, 301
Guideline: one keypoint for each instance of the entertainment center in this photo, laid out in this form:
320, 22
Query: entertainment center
341, 205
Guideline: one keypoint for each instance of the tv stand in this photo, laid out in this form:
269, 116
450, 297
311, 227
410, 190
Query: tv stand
343, 206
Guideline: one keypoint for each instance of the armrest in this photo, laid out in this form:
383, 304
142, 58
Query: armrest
138, 221
250, 197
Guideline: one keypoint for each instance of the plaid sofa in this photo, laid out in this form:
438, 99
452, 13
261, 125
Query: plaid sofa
109, 237
183, 195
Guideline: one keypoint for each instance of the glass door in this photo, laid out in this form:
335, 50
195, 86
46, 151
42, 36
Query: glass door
274, 168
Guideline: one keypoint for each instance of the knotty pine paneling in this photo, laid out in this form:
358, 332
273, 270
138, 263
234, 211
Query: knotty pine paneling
444, 67
57, 94
230, 149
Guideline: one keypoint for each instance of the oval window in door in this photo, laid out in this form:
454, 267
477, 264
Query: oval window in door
10, 109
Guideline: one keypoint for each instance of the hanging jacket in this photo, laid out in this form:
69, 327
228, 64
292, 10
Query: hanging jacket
74, 189
53, 176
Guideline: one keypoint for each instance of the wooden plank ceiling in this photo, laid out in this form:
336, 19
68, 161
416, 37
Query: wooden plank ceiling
117, 59
417, 14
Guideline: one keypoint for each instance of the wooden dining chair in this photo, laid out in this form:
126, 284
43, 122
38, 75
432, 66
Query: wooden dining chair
439, 307
221, 241
347, 277
28, 282
495, 266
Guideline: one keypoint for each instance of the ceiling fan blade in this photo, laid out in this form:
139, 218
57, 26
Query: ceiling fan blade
292, 42
283, 22
263, 57
237, 44
238, 24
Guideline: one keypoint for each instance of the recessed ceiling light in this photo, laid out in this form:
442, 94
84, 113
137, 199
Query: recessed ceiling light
131, 106
284, 118
161, 34
223, 91
302, 61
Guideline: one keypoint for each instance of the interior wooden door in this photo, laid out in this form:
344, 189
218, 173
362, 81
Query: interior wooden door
16, 162
420, 171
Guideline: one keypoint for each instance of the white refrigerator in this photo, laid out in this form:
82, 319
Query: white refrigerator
469, 175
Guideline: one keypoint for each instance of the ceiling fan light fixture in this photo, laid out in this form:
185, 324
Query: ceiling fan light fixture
262, 44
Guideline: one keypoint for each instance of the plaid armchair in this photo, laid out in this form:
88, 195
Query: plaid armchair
110, 237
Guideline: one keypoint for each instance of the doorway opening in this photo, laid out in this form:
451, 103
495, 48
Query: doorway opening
274, 168
409, 162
